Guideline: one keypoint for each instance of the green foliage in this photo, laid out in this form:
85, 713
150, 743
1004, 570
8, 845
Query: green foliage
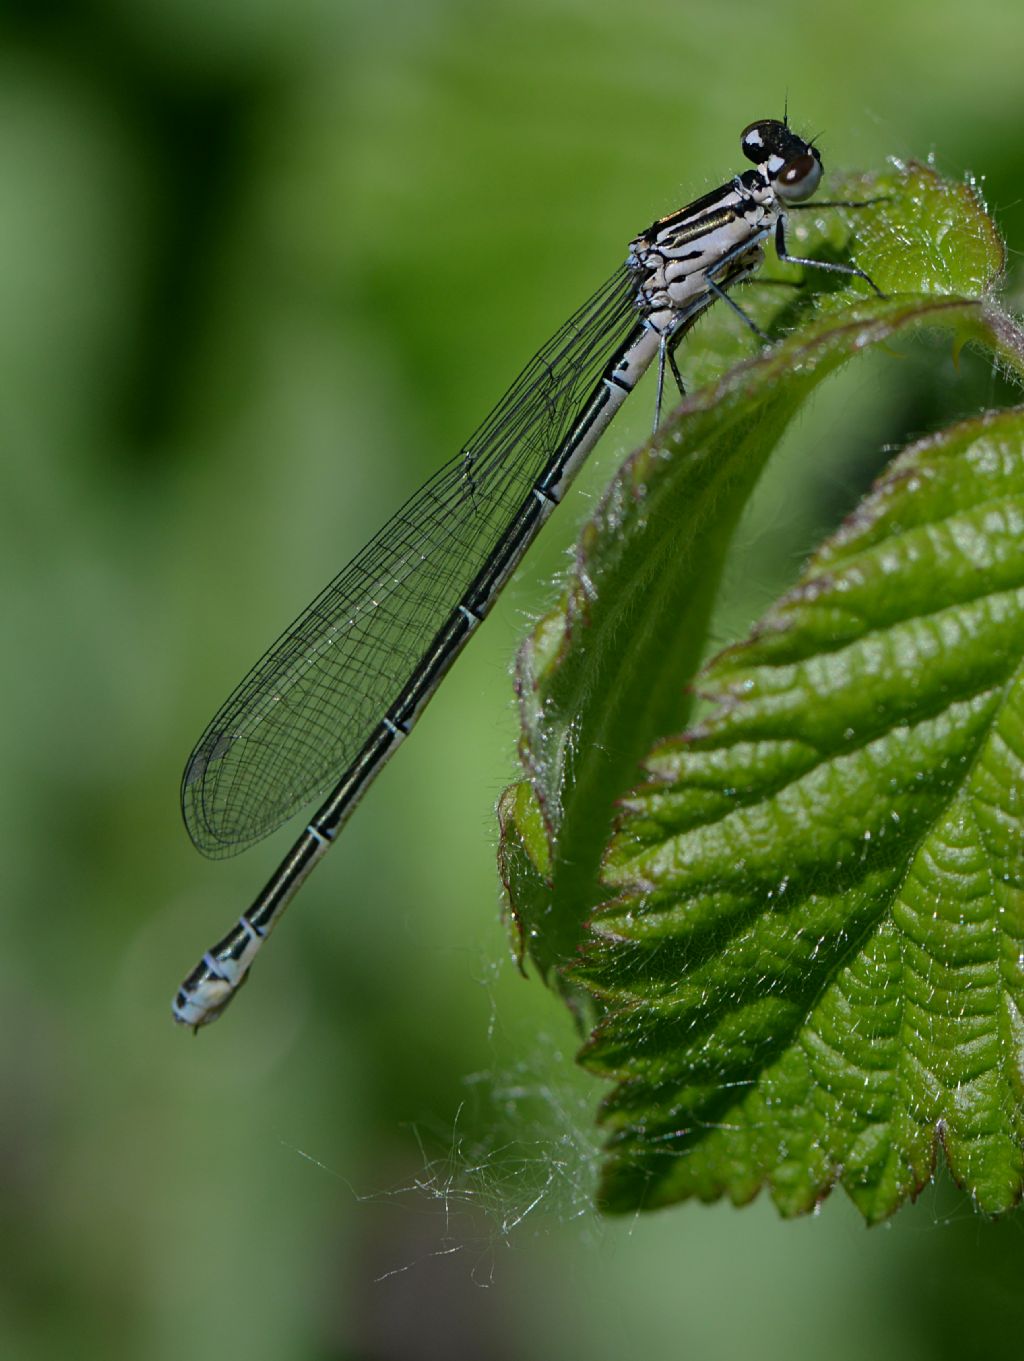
801, 936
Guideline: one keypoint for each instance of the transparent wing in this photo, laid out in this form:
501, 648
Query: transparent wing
298, 719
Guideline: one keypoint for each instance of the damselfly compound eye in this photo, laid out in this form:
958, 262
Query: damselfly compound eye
798, 178
762, 139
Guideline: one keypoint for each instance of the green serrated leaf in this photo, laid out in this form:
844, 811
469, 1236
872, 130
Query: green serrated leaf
814, 968
605, 674
759, 982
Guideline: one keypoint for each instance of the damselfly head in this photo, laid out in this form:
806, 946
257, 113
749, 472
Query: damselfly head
792, 165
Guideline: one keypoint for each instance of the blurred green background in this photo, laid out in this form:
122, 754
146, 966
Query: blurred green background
263, 266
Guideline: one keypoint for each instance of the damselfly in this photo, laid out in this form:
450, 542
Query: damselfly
338, 692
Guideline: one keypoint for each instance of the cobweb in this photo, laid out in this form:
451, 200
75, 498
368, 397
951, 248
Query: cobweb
517, 1159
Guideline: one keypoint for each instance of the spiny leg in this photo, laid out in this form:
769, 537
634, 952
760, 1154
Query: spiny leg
673, 365
839, 203
783, 254
721, 293
662, 352
670, 342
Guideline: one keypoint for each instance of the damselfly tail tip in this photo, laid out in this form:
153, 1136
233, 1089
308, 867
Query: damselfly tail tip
200, 1000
